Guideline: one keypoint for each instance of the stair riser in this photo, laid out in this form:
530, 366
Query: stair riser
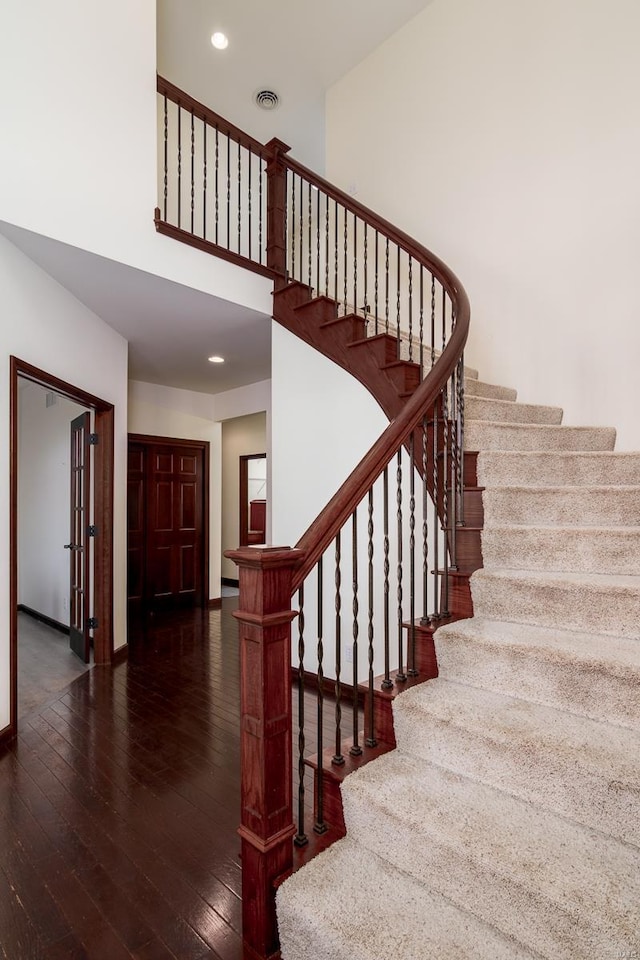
566, 549
530, 673
556, 781
605, 507
556, 469
482, 436
508, 412
564, 605
440, 863
477, 388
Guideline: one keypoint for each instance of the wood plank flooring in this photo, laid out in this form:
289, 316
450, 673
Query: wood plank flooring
119, 804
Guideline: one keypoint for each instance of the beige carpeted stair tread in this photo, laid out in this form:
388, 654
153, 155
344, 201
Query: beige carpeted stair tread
563, 549
506, 411
584, 505
557, 468
562, 889
547, 665
601, 603
486, 435
574, 766
478, 388
349, 904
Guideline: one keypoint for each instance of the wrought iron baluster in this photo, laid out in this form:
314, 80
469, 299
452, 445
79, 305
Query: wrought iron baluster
398, 336
436, 498
301, 838
293, 226
179, 165
166, 159
387, 683
446, 455
433, 320
320, 825
371, 740
346, 269
364, 259
410, 309
386, 287
425, 524
260, 176
335, 251
376, 286
217, 169
421, 321
326, 245
309, 217
338, 758
228, 194
204, 179
411, 639
460, 479
249, 211
193, 172
355, 749
301, 228
318, 241
401, 675
355, 264
239, 199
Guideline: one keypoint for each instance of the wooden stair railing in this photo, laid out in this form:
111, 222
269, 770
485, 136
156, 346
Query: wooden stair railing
386, 561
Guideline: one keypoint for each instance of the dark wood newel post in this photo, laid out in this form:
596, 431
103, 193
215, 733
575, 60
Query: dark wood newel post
277, 208
267, 828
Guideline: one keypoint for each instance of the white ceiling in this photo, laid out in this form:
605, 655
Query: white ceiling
297, 48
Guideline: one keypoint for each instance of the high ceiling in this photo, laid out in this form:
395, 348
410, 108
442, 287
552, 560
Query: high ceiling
297, 48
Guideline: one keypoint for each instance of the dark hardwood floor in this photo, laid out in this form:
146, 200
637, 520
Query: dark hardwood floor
119, 804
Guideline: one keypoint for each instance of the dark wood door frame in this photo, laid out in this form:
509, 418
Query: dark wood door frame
102, 512
244, 488
204, 446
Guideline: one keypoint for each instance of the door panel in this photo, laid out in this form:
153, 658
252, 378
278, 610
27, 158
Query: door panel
79, 639
136, 520
173, 540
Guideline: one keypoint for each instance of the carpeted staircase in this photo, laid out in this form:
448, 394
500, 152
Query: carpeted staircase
507, 822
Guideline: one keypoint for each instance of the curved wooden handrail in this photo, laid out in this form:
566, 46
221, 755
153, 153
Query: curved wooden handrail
410, 246
324, 528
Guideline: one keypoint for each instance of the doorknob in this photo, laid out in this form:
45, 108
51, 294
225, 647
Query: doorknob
68, 546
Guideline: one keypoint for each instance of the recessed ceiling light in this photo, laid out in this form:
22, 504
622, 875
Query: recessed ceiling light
220, 40
216, 359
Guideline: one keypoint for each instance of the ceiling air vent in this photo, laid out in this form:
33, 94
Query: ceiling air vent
267, 99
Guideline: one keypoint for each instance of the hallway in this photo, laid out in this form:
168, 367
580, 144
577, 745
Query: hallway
119, 804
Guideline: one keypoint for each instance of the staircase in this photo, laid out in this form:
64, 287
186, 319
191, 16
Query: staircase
506, 824
493, 811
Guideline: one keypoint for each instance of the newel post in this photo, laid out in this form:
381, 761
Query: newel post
277, 207
267, 828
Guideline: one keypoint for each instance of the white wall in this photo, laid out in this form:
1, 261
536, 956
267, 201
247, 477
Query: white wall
80, 131
44, 481
42, 324
169, 412
508, 142
240, 436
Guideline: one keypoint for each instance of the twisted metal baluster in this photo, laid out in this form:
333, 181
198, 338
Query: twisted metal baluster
309, 217
318, 241
401, 675
335, 252
398, 335
375, 296
411, 640
217, 169
166, 158
239, 199
193, 171
293, 227
425, 525
249, 211
447, 468
355, 749
179, 166
260, 201
228, 194
433, 320
366, 302
301, 838
301, 226
410, 308
436, 520
204, 180
338, 758
460, 478
387, 683
346, 260
371, 740
386, 287
326, 245
320, 825
355, 263
421, 322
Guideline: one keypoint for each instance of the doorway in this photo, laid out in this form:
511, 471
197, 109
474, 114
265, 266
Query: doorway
101, 566
253, 498
167, 524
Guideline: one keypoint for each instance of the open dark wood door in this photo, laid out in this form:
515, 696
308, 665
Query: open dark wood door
79, 640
